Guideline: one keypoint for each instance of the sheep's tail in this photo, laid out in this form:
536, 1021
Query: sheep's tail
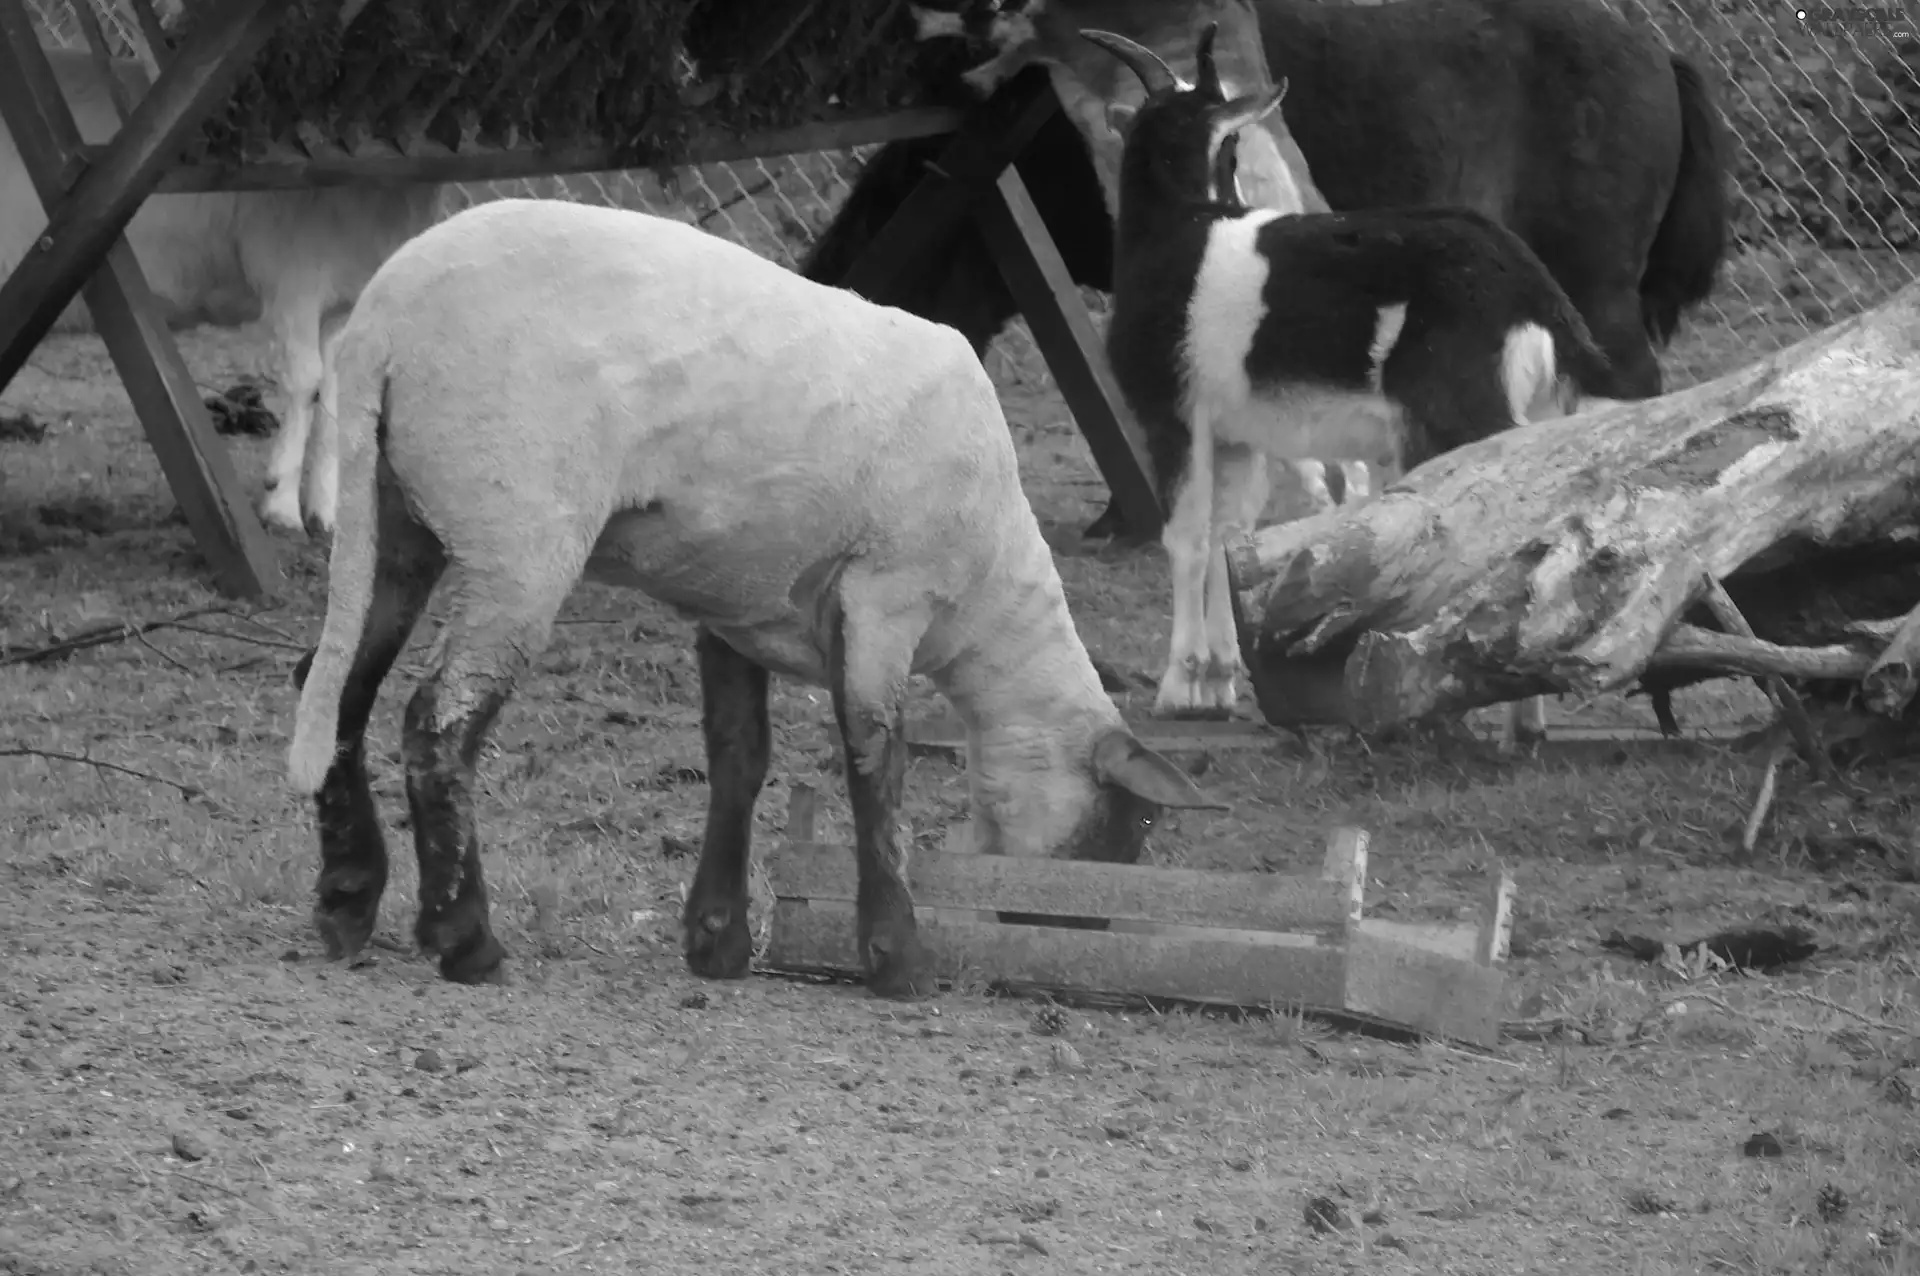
360, 363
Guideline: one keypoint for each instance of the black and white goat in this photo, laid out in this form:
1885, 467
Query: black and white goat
1240, 335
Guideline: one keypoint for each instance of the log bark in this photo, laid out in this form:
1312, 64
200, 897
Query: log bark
1564, 556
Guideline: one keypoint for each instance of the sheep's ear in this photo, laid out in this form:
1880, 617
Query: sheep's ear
1120, 759
1119, 115
1252, 108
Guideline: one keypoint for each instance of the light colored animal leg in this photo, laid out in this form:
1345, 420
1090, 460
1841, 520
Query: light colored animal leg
295, 325
1187, 538
320, 472
1240, 485
1525, 722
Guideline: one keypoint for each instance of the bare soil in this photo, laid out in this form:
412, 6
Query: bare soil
185, 1086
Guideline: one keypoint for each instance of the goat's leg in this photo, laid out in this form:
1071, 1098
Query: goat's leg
1240, 486
497, 626
1525, 722
1187, 537
733, 694
870, 660
294, 321
320, 471
353, 854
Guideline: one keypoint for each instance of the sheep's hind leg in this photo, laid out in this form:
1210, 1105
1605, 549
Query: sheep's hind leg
499, 626
870, 661
353, 853
733, 693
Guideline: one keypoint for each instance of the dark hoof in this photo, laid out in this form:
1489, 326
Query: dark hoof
1107, 525
469, 954
346, 910
899, 969
302, 668
716, 941
479, 963
344, 931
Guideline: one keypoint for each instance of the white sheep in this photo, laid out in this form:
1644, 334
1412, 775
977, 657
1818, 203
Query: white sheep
294, 259
536, 390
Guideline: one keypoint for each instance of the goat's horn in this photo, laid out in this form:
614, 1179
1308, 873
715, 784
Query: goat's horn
1209, 74
1152, 69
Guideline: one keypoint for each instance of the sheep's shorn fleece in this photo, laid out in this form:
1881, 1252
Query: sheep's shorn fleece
534, 391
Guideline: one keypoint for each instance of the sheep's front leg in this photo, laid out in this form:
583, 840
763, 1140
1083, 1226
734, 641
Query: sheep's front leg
870, 661
1240, 487
1187, 537
733, 693
296, 335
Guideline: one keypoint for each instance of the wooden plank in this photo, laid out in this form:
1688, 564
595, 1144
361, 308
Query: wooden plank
163, 392
819, 938
198, 469
497, 165
1017, 236
1078, 888
89, 216
1436, 993
991, 138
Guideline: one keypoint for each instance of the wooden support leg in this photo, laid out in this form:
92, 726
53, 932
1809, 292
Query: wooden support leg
1041, 283
85, 232
920, 229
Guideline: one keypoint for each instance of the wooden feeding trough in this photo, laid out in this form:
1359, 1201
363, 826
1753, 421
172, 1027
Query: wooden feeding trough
1241, 939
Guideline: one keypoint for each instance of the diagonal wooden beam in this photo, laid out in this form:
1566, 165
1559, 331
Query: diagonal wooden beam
84, 244
1017, 237
86, 218
975, 177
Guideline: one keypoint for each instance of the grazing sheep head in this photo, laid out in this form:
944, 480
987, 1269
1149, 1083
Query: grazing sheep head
1037, 793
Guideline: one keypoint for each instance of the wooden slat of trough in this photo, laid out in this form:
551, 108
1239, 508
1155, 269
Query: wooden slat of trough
1435, 992
820, 939
1078, 888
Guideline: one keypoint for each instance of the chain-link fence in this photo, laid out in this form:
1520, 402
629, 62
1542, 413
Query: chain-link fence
1822, 108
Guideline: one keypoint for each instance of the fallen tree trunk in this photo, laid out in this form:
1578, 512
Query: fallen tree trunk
1566, 556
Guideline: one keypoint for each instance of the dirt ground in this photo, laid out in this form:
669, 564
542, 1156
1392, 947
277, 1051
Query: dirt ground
186, 1087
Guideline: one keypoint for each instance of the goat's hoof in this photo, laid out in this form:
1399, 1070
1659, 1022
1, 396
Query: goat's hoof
281, 508
898, 967
715, 940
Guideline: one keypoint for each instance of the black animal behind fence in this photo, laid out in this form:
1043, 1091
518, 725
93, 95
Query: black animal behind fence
1571, 125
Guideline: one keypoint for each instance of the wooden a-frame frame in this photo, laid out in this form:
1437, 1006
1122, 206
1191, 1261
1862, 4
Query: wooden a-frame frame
93, 191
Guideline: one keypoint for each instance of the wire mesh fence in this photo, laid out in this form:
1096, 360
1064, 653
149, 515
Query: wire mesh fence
1822, 105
